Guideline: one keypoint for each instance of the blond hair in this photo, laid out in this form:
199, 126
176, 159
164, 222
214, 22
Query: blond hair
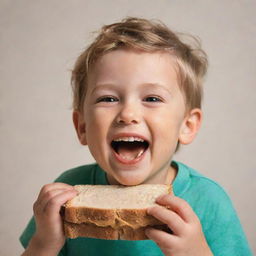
148, 36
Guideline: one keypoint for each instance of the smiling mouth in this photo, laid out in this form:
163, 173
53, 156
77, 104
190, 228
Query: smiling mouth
129, 149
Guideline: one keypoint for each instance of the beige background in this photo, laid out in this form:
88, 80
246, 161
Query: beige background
40, 41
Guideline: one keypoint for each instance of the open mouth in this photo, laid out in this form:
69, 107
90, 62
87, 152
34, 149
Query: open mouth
129, 148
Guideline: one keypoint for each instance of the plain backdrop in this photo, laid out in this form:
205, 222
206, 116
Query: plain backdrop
39, 42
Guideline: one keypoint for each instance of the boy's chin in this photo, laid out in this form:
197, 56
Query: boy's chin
125, 181
131, 183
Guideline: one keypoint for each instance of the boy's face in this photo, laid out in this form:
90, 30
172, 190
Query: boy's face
133, 96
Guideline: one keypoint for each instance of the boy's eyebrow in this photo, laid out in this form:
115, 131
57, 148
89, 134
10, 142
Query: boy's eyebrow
113, 86
103, 86
162, 86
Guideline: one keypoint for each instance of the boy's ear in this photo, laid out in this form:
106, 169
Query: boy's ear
190, 126
80, 126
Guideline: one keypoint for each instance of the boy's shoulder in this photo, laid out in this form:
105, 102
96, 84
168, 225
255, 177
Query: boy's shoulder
192, 185
190, 178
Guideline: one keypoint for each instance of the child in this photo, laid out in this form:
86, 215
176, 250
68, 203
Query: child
137, 96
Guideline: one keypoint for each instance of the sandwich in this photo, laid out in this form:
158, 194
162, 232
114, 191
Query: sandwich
112, 212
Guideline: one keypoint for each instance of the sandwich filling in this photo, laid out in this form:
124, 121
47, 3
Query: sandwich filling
129, 150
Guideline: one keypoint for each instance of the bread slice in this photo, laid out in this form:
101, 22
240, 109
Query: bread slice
112, 211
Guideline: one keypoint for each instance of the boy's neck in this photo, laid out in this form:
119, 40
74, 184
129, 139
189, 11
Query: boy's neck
168, 177
171, 174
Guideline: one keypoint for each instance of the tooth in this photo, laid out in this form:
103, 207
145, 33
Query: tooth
129, 139
140, 153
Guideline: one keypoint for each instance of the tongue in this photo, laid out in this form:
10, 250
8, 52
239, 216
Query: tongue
129, 152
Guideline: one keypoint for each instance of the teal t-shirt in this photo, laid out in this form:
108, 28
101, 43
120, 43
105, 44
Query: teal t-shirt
209, 201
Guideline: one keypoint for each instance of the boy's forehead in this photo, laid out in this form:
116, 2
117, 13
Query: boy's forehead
146, 67
130, 53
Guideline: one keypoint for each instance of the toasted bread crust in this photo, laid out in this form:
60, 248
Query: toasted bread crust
73, 230
134, 218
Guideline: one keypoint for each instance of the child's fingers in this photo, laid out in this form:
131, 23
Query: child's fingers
52, 197
54, 186
45, 197
54, 204
172, 219
178, 205
161, 238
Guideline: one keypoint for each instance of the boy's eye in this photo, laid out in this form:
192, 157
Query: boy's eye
153, 99
107, 99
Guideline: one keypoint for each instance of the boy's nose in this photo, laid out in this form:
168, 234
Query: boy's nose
129, 114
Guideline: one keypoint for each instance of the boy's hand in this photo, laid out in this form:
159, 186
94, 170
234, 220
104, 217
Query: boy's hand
187, 238
49, 236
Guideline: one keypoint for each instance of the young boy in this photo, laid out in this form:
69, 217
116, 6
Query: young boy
137, 96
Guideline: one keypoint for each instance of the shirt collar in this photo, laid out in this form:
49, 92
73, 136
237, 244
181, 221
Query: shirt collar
182, 179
